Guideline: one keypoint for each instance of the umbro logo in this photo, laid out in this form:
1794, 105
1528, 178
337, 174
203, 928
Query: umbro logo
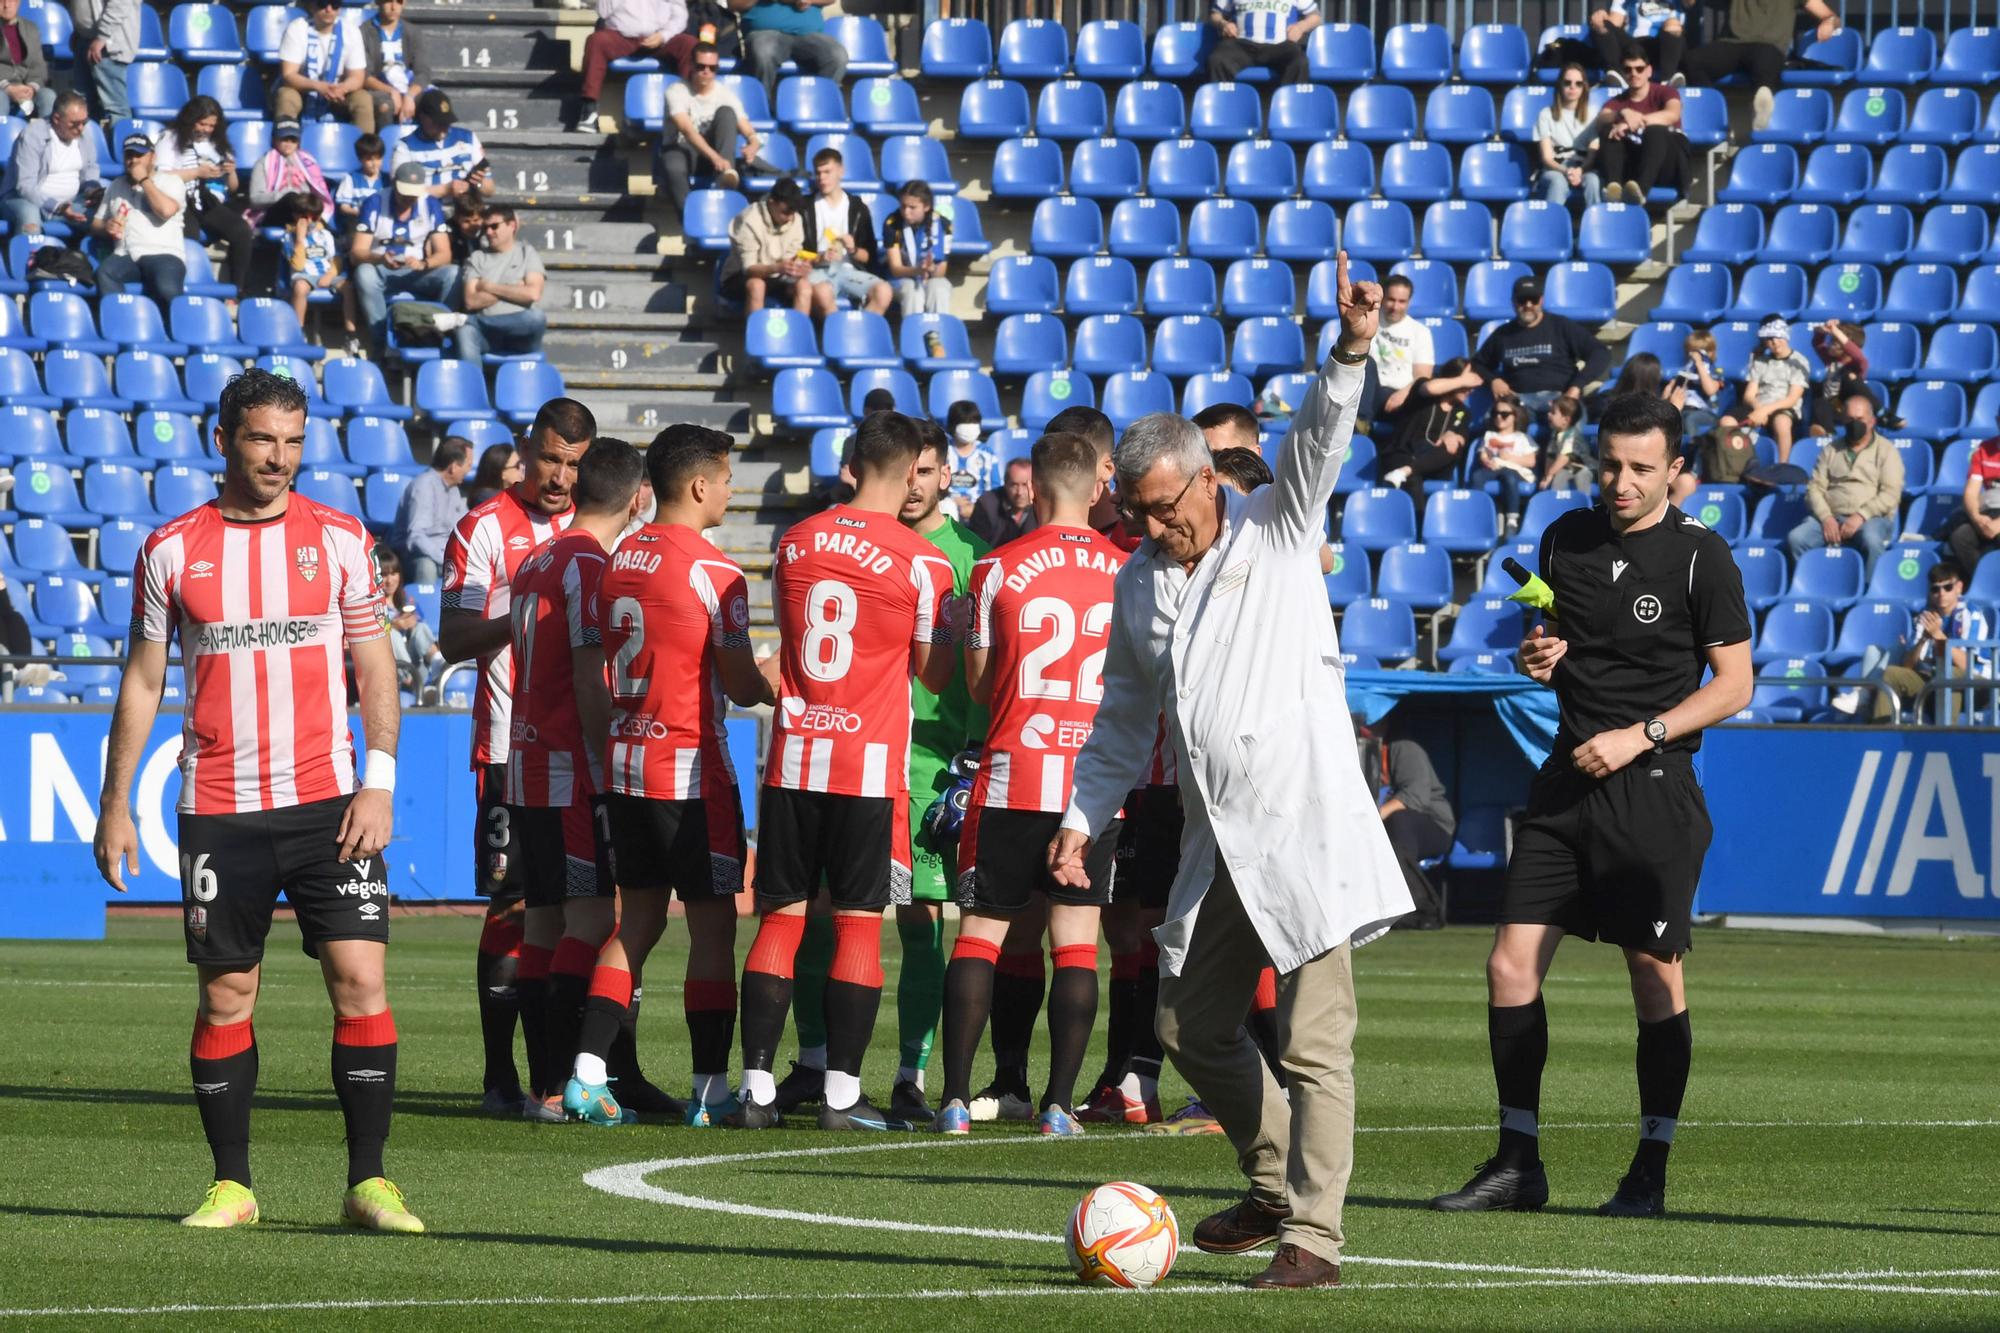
1617, 568
201, 569
210, 1089
1659, 929
366, 1075
518, 543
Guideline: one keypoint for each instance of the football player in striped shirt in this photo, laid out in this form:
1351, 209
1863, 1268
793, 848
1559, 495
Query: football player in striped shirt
555, 780
863, 605
1035, 653
266, 591
677, 633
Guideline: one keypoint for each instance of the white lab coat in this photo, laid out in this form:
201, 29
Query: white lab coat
1242, 659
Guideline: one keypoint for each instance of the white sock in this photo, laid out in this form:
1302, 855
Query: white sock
759, 1086
905, 1074
842, 1090
1521, 1122
1396, 476
713, 1089
1140, 1087
812, 1057
589, 1068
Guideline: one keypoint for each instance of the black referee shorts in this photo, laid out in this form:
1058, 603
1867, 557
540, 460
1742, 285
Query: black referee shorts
1614, 860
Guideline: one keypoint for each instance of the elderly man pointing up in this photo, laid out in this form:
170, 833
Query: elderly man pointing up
1220, 622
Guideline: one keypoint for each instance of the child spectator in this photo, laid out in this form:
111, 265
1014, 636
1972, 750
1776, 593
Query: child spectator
1838, 346
419, 661
1571, 465
312, 263
1507, 455
363, 185
917, 243
975, 469
284, 171
1773, 387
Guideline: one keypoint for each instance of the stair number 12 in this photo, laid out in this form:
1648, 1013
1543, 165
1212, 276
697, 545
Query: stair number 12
531, 180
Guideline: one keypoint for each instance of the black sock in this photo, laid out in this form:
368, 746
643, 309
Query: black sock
222, 1063
1147, 1054
1666, 1049
1122, 1003
968, 1001
499, 1008
623, 1057
1017, 1003
364, 1078
566, 992
598, 1028
532, 993
767, 998
1072, 1014
1263, 1025
1519, 1037
850, 1021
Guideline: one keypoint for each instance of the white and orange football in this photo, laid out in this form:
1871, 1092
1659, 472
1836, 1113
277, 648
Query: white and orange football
1123, 1235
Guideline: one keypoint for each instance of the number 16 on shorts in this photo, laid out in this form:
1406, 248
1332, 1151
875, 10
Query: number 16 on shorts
198, 889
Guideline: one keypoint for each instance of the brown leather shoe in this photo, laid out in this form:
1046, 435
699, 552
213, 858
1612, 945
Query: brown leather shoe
1295, 1267
1242, 1227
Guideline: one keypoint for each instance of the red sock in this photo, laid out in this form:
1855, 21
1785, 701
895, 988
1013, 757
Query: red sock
219, 1041
857, 951
501, 937
535, 962
776, 945
1024, 966
1075, 955
1125, 966
222, 1061
573, 958
611, 983
970, 946
364, 1078
1267, 991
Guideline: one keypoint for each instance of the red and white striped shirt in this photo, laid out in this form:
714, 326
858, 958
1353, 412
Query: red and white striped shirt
670, 601
554, 610
855, 590
264, 611
485, 552
1042, 610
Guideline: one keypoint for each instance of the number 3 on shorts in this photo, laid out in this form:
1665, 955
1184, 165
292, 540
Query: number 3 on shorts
197, 880
498, 830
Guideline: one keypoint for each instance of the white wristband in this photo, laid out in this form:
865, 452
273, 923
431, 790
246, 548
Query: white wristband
380, 774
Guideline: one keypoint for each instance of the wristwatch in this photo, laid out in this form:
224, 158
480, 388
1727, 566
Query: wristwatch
1656, 732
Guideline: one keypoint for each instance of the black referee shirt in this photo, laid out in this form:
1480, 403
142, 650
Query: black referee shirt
1640, 612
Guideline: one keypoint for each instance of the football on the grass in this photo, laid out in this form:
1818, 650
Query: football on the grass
1123, 1235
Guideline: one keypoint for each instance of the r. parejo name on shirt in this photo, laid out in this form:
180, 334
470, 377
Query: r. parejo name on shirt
255, 635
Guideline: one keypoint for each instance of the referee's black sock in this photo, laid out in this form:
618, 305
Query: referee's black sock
364, 1078
968, 1002
1019, 981
222, 1059
1666, 1049
1519, 1037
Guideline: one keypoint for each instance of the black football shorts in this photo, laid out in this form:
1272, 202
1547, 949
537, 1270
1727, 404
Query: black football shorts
693, 847
497, 869
565, 851
857, 847
1003, 861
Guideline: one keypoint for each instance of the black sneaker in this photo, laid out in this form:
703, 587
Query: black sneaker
754, 1115
640, 1094
1498, 1188
861, 1115
1640, 1194
800, 1086
907, 1103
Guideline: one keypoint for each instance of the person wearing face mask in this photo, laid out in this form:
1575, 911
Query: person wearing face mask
1856, 491
974, 469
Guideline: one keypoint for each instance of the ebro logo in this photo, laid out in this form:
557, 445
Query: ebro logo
799, 716
1042, 732
1035, 731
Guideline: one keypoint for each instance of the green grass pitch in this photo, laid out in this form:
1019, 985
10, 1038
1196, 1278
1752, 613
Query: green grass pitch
1836, 1168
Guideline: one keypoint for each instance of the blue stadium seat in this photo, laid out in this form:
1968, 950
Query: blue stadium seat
97, 435
1457, 114
1358, 472
1072, 109
1301, 229
64, 319
118, 490
1341, 53
157, 90
1215, 386
301, 372
1779, 699
1919, 293
957, 49
1954, 462
1831, 576
1188, 345
1433, 287
1894, 351
879, 107
173, 437
804, 399
1901, 573
1876, 117
336, 490
1339, 172
1106, 344
1794, 629
1226, 112
1463, 522
1778, 289
824, 452
1379, 230
1520, 109
1349, 580
1022, 283
1495, 54
1381, 113
1417, 53
1380, 628
1583, 291
1903, 56
1103, 285
43, 488
1735, 343
1262, 169
774, 338
1726, 234
203, 34
269, 326
1489, 289
1493, 173
900, 384
1704, 117
1487, 625
520, 387
1222, 229
1458, 232
1034, 49
1253, 287
1025, 344
331, 142
866, 43
1184, 169
1615, 234
1544, 508
1378, 518
905, 157
1181, 287
1944, 117
1965, 353
968, 234
1449, 338
79, 380
1067, 228
1801, 234
1765, 574
1775, 516
452, 390
133, 323
42, 548
1919, 464
1268, 346
1419, 172
1180, 50
1975, 177
1131, 394
1841, 54
1876, 623
1304, 113
1800, 116
356, 387
1851, 292
14, 335
1932, 410
1418, 575
1145, 229
1048, 392
1838, 174
994, 109
381, 495
705, 221
1876, 234
20, 382
378, 442
973, 386
1664, 339
1027, 168
914, 335
1104, 168
239, 91
1982, 289
1149, 111
119, 543
1971, 58
1536, 232
177, 488
1955, 234
1764, 174
63, 604
1110, 49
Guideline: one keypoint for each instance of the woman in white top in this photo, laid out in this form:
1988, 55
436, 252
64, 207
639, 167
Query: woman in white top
195, 147
1566, 141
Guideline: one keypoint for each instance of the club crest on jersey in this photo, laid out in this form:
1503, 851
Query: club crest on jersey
1646, 609
308, 562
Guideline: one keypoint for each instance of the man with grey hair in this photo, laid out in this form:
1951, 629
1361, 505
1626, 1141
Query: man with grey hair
1219, 622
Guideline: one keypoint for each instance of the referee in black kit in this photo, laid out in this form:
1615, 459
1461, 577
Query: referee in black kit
1611, 847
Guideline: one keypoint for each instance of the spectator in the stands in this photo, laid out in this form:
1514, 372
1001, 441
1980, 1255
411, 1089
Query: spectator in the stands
1755, 38
1538, 356
1008, 510
419, 660
843, 235
401, 245
52, 170
1416, 812
322, 67
975, 469
1566, 141
1639, 140
15, 636
1774, 386
1838, 346
1569, 464
468, 226
626, 28
1856, 492
916, 242
313, 263
357, 188
451, 156
1430, 438
499, 468
1228, 426
775, 31
1655, 29
106, 38
433, 504
1946, 616
1697, 391
393, 57
1402, 353
763, 263
1261, 34
195, 147
24, 67
1975, 529
1506, 455
1640, 374
502, 288
141, 216
706, 123
284, 171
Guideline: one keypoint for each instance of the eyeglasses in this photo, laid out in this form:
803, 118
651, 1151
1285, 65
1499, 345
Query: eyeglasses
1944, 587
1507, 412
493, 226
1523, 302
710, 66
1637, 69
1159, 513
1572, 83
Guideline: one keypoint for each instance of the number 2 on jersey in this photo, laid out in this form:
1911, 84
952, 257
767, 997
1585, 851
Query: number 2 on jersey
831, 612
627, 618
1059, 617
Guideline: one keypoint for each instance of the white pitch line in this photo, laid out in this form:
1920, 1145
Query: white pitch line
1857, 1122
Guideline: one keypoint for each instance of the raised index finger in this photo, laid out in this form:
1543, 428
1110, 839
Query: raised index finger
1342, 288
